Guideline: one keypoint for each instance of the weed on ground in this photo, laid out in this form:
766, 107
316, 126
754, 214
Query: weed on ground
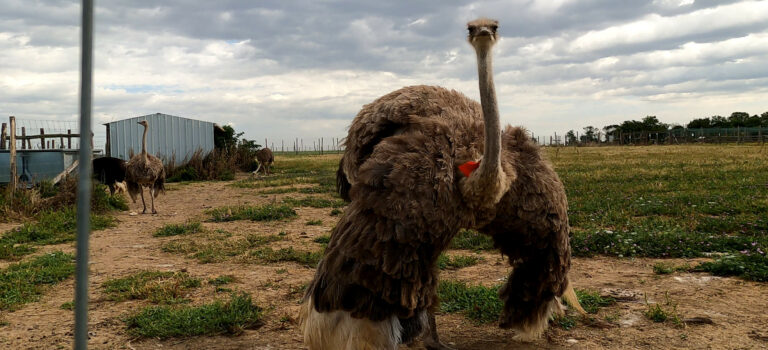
155, 286
178, 229
230, 317
268, 212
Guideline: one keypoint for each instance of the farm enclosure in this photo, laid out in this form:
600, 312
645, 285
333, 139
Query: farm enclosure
639, 216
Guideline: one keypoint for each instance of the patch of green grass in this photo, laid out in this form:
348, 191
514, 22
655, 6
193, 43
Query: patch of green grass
335, 212
53, 227
752, 266
564, 321
315, 202
661, 268
473, 240
222, 280
269, 255
70, 305
231, 317
591, 301
314, 222
11, 251
217, 250
647, 201
157, 287
178, 229
647, 243
268, 212
478, 303
322, 239
24, 282
457, 261
280, 190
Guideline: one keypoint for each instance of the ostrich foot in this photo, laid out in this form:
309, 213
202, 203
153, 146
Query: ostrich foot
432, 344
154, 211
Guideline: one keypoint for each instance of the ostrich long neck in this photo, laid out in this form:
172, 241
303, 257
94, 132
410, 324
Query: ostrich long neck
144, 144
491, 154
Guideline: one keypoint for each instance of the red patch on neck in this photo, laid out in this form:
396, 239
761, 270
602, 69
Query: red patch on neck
468, 167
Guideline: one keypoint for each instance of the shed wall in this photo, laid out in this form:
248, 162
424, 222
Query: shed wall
168, 136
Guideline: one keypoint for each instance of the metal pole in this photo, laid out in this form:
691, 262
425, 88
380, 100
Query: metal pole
84, 181
12, 146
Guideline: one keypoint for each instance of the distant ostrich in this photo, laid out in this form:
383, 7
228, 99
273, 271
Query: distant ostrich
145, 170
111, 172
377, 280
265, 158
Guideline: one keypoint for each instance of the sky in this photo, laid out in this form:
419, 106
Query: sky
281, 69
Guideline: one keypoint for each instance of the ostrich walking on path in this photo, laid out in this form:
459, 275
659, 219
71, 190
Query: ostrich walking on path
265, 158
378, 278
145, 170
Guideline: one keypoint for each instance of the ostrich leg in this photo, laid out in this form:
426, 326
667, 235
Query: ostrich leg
141, 191
152, 198
432, 340
256, 172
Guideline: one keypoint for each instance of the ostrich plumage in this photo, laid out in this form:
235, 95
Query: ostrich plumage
377, 279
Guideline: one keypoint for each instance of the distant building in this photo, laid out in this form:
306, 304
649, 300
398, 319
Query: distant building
169, 136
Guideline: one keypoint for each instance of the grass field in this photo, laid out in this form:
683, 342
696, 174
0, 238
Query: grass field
663, 202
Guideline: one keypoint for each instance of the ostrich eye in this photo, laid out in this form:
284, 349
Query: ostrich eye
471, 29
494, 27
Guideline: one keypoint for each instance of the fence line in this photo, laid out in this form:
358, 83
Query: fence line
665, 137
41, 134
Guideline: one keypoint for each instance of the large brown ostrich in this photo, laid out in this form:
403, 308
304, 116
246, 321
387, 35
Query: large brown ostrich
530, 227
145, 170
377, 279
265, 158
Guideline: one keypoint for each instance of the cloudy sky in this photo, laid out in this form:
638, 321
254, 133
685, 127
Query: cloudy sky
283, 69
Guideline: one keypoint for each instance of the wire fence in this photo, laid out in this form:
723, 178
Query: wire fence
665, 137
320, 145
37, 134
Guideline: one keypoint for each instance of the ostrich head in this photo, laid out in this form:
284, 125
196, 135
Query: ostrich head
144, 123
482, 33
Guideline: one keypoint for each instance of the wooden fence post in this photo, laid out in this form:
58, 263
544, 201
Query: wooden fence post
24, 138
3, 132
42, 138
69, 138
14, 178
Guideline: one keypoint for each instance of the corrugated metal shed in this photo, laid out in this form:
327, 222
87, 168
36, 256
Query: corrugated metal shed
168, 136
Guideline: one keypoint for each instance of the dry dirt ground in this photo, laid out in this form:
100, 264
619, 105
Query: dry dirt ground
738, 309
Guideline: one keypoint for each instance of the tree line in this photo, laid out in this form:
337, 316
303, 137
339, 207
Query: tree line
651, 124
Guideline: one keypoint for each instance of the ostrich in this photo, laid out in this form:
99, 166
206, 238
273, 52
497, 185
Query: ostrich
111, 172
145, 170
265, 158
530, 227
377, 280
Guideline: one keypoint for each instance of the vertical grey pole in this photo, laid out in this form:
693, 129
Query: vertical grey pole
84, 182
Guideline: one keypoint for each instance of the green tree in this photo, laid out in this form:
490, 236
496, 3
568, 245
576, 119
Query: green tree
570, 137
700, 123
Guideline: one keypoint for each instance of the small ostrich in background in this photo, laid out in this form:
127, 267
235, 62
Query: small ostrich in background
111, 172
265, 158
377, 281
145, 170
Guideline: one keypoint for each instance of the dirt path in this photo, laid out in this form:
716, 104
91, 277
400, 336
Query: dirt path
738, 310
